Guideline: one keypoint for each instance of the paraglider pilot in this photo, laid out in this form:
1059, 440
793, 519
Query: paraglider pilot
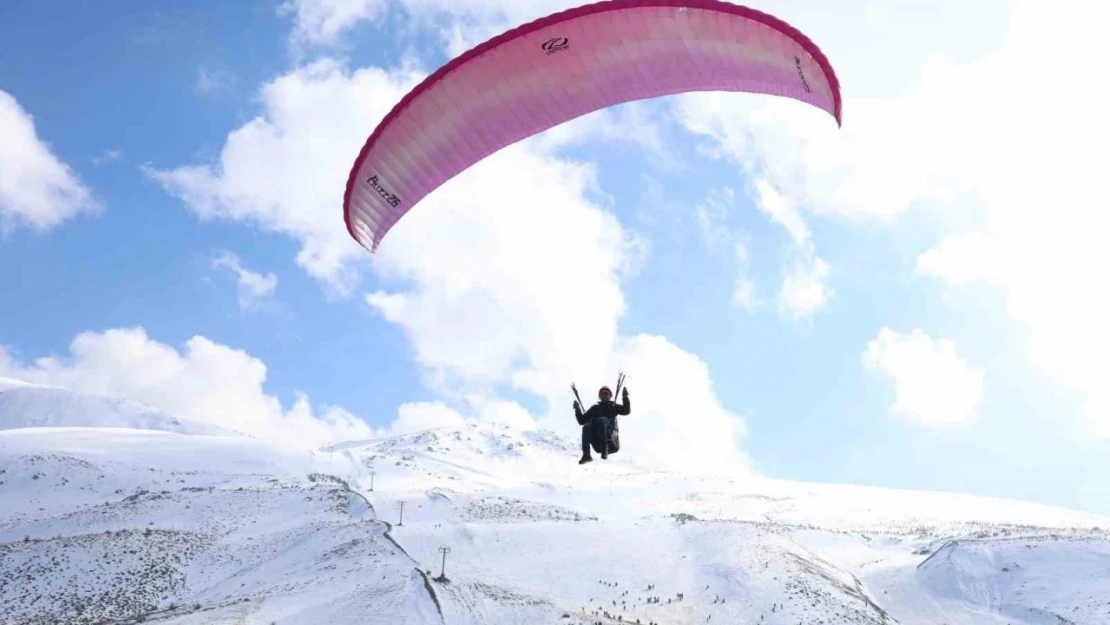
597, 421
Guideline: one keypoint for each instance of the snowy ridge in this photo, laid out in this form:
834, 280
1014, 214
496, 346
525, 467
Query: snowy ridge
487, 442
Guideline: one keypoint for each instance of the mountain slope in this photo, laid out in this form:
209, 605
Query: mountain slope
112, 524
535, 536
118, 525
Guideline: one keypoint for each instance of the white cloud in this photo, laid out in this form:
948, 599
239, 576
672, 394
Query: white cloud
253, 287
507, 260
744, 294
712, 216
886, 159
471, 22
510, 11
286, 170
207, 382
500, 411
781, 210
1051, 271
804, 292
36, 189
419, 416
514, 277
962, 259
507, 275
1014, 180
677, 421
510, 275
210, 81
108, 157
933, 386
323, 22
895, 148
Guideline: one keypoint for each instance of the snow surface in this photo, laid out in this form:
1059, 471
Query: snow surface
118, 525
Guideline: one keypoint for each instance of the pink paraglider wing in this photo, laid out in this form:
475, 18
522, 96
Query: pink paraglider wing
560, 67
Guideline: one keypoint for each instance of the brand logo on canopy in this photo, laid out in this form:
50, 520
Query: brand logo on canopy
555, 44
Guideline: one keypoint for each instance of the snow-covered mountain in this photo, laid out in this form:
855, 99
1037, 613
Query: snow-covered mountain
103, 525
588, 541
31, 405
113, 526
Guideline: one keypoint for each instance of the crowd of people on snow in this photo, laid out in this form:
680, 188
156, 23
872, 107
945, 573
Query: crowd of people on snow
649, 600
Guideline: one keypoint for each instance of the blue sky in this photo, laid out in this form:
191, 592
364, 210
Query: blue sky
154, 109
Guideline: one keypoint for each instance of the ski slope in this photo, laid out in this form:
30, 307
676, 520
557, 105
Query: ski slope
122, 524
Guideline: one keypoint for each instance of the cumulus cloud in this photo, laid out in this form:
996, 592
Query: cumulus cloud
512, 276
205, 382
712, 217
324, 22
743, 296
679, 422
507, 260
37, 190
886, 160
895, 147
963, 258
469, 22
253, 287
1013, 182
781, 210
673, 401
108, 156
933, 386
211, 81
508, 277
804, 290
1050, 275
286, 170
1044, 225
511, 11
419, 416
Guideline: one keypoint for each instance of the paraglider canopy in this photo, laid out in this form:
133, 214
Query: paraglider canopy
563, 66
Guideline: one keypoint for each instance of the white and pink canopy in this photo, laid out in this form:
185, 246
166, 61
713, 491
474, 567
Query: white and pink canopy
560, 67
